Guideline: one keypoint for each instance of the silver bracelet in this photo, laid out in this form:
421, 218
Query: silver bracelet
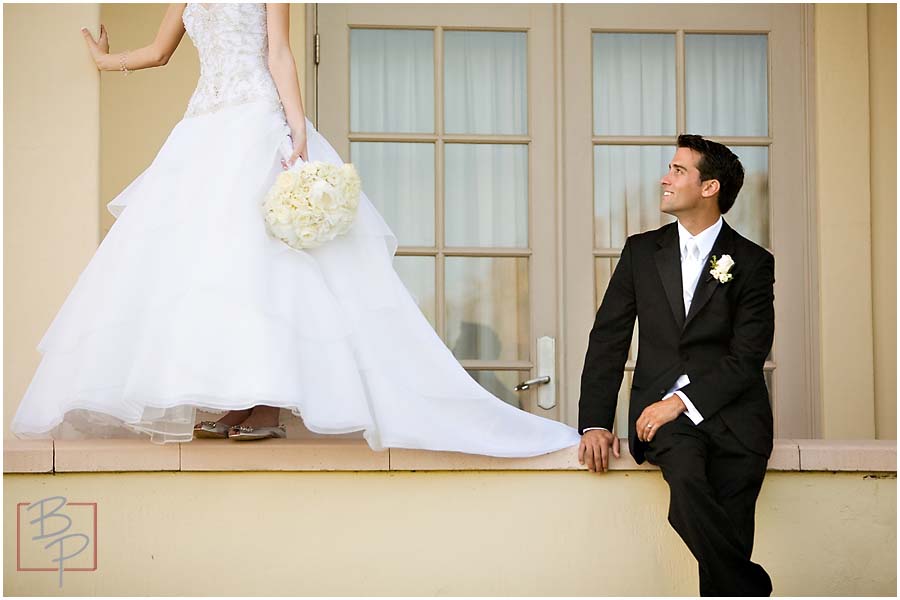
122, 64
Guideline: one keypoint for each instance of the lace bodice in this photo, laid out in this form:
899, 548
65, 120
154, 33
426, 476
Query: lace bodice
233, 46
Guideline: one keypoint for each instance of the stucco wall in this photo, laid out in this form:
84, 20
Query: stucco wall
51, 121
440, 533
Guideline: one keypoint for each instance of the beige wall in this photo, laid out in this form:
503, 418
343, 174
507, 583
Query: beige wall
882, 25
844, 211
50, 161
137, 112
439, 533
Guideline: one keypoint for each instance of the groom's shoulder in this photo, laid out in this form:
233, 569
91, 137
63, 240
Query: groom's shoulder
748, 247
650, 239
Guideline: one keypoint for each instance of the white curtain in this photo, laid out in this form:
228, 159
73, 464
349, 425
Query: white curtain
485, 185
486, 195
485, 82
727, 84
399, 180
392, 80
634, 94
634, 84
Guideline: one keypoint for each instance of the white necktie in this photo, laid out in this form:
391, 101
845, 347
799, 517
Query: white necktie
690, 271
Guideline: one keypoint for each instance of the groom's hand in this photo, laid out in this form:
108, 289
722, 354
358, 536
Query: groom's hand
594, 449
656, 415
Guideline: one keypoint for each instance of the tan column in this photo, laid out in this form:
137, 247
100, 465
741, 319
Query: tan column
845, 233
50, 185
882, 23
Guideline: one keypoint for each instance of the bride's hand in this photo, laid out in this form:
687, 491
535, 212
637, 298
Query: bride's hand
298, 139
98, 48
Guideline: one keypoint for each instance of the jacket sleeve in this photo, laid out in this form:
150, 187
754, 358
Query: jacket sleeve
607, 351
753, 329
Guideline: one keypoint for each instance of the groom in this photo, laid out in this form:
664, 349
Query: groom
703, 296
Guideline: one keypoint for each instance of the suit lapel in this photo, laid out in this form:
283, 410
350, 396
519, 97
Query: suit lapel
707, 284
668, 263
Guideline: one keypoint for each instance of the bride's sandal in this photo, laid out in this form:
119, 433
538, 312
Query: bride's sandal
211, 429
246, 433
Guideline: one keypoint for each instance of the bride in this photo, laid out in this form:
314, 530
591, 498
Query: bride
189, 305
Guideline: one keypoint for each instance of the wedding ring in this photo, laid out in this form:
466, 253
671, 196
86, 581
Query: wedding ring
649, 426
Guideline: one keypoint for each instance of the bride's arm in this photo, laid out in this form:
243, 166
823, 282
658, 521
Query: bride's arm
157, 54
283, 68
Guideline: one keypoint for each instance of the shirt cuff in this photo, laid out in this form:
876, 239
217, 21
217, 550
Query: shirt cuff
692, 412
589, 428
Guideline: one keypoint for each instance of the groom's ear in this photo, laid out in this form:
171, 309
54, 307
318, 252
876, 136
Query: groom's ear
709, 188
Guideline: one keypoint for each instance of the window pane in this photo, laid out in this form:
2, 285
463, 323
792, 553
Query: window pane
634, 83
399, 180
750, 213
502, 384
417, 274
627, 191
727, 84
486, 195
392, 80
487, 308
485, 82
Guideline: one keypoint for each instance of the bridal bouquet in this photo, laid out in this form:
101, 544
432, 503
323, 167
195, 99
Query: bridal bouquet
309, 206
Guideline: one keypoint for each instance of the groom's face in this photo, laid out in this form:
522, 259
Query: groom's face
681, 188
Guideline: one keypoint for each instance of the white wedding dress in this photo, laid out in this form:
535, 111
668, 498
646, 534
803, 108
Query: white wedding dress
189, 305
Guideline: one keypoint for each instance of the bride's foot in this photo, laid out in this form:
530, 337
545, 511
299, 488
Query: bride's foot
261, 424
219, 429
234, 417
261, 416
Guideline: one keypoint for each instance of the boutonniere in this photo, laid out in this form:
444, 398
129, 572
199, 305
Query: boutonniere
721, 268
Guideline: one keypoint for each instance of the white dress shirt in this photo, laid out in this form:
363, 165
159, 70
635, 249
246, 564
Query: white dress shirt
695, 251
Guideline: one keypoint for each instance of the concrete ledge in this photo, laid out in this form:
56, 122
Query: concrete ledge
45, 456
28, 456
281, 455
854, 455
72, 456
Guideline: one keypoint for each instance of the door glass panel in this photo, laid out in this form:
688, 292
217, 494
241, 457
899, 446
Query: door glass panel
487, 307
417, 274
399, 180
485, 82
392, 80
486, 193
634, 83
727, 84
502, 384
627, 191
750, 213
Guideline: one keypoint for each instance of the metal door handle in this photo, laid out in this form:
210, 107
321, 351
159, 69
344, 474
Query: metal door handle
537, 381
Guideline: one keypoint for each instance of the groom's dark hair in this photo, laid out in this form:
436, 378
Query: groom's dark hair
717, 162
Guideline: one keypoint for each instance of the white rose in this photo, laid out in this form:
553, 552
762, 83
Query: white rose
306, 237
322, 195
725, 263
282, 214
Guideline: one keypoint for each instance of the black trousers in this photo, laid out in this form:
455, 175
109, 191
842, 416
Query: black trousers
714, 482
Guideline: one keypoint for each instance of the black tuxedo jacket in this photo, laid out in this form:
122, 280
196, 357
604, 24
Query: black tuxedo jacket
722, 344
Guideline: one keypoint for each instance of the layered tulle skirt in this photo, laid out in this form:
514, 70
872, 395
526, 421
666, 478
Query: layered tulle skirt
188, 304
